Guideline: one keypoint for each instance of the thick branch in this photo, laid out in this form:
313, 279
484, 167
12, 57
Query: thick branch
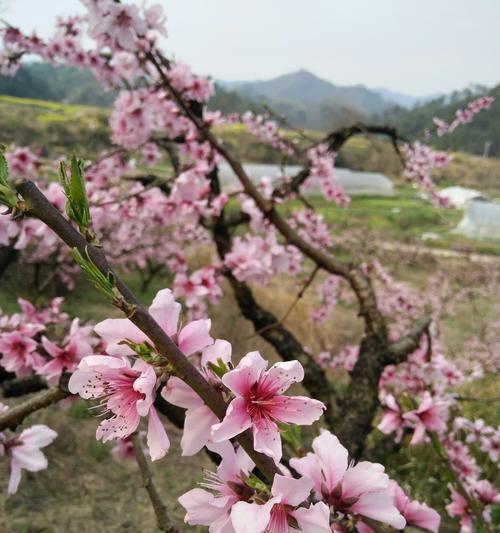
38, 206
15, 387
14, 416
162, 519
400, 349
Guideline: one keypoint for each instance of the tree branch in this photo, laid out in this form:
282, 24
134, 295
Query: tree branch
14, 416
400, 349
39, 207
162, 519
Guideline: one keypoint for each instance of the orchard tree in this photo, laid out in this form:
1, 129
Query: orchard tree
107, 219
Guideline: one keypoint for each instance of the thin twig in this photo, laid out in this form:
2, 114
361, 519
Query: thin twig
162, 519
473, 399
292, 306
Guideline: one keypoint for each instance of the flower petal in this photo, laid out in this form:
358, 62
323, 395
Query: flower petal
179, 393
15, 478
38, 435
297, 409
235, 422
267, 439
282, 375
332, 457
291, 491
248, 371
379, 506
251, 517
197, 426
364, 477
195, 336
165, 310
316, 519
158, 442
115, 330
200, 507
220, 349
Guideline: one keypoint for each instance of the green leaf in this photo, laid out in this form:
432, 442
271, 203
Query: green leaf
218, 369
495, 514
4, 170
77, 206
292, 435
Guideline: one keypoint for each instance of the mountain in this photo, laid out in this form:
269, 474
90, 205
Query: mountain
403, 100
55, 83
479, 137
309, 101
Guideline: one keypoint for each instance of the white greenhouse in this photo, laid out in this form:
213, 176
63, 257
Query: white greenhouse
459, 196
354, 183
481, 220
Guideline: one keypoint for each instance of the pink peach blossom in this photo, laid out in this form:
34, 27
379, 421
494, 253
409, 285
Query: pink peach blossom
260, 403
24, 452
127, 392
415, 513
282, 509
359, 490
211, 505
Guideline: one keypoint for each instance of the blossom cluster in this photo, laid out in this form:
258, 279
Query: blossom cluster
463, 116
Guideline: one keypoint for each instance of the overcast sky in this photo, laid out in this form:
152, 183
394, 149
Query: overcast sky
415, 46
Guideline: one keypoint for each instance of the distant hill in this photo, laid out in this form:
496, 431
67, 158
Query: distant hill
483, 133
311, 102
58, 84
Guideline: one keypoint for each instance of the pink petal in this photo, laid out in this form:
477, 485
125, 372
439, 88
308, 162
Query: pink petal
267, 439
220, 349
251, 517
15, 478
310, 467
51, 348
115, 330
364, 477
38, 435
179, 393
235, 422
197, 426
195, 336
165, 310
282, 375
297, 409
332, 457
316, 519
158, 442
420, 515
291, 491
78, 384
379, 506
29, 457
145, 384
117, 428
200, 507
246, 374
419, 434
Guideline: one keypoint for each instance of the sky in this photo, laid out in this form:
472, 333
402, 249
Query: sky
418, 47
